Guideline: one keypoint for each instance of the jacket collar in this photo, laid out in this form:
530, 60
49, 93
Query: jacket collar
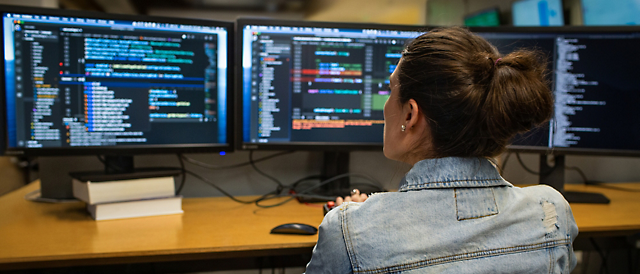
452, 172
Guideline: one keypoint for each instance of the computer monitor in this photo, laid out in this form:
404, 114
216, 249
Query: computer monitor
316, 86
542, 13
484, 18
83, 83
595, 87
610, 13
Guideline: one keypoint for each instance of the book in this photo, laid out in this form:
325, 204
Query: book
123, 190
137, 208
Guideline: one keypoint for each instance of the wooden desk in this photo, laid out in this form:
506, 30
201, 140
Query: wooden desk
620, 217
36, 235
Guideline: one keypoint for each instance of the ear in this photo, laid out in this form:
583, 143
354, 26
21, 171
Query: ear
412, 114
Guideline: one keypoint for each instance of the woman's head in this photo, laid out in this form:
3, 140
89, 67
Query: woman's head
472, 100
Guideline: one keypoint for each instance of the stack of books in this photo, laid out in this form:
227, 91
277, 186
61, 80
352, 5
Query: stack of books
131, 198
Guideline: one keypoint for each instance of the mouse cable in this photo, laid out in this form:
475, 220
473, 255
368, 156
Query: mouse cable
305, 193
214, 167
207, 181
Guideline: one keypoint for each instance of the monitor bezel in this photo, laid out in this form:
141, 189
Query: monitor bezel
128, 149
311, 146
569, 30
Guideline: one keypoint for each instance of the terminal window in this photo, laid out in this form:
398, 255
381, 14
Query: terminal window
76, 84
318, 85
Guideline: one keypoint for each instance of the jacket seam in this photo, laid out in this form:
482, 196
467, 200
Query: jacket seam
409, 187
347, 238
567, 232
468, 256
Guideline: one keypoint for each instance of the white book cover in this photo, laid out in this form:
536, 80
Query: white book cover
137, 208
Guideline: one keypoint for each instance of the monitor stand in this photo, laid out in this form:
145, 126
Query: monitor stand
554, 177
334, 163
55, 179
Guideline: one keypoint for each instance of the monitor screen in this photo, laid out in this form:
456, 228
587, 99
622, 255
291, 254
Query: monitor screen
316, 85
537, 13
610, 13
90, 83
594, 85
484, 18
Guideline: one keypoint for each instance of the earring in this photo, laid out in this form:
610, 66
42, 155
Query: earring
404, 128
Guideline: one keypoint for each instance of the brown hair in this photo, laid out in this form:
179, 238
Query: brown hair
474, 100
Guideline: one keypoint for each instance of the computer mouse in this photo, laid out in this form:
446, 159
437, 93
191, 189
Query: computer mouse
294, 228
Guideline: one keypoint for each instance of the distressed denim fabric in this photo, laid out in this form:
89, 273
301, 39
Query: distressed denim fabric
450, 215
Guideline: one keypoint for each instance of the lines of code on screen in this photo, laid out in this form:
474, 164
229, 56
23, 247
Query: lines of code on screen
84, 85
318, 86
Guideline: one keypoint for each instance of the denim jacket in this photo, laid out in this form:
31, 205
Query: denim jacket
450, 215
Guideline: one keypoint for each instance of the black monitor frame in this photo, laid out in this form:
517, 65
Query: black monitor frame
309, 146
554, 175
128, 149
567, 30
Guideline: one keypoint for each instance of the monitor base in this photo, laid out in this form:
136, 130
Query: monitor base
554, 177
585, 197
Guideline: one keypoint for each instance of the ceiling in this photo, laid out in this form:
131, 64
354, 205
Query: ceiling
144, 6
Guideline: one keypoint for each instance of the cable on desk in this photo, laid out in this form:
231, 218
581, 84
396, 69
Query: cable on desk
599, 184
504, 163
524, 166
577, 169
253, 164
530, 170
205, 180
214, 167
304, 193
184, 174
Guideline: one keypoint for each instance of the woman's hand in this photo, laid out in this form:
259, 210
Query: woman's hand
356, 196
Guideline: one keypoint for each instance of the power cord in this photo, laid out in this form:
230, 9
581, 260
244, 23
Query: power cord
504, 163
253, 164
280, 188
305, 193
207, 181
214, 167
598, 184
184, 174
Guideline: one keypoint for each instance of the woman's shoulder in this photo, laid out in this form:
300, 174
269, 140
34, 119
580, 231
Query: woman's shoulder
542, 192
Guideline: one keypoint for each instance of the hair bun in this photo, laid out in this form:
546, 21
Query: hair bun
519, 97
474, 99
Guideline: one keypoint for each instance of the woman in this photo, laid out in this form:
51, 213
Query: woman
454, 104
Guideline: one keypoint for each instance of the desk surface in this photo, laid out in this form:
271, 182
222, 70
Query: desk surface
48, 235
64, 234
